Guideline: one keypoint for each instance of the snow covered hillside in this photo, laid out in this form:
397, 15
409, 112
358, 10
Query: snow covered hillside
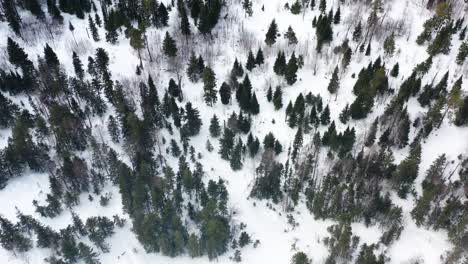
254, 131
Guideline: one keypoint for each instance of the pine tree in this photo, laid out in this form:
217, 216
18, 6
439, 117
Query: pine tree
368, 49
334, 84
259, 59
114, 129
324, 31
192, 68
291, 36
162, 16
357, 33
247, 5
323, 6
236, 156
297, 144
226, 143
225, 93
215, 129
136, 42
250, 62
270, 38
209, 85
12, 16
389, 45
254, 106
300, 258
184, 24
462, 53
407, 171
291, 70
296, 8
278, 98
325, 116
169, 46
442, 42
312, 4
193, 124
55, 13
461, 116
395, 70
370, 139
280, 64
337, 17
92, 27
269, 95
346, 58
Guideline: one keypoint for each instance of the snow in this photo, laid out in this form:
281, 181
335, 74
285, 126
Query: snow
270, 226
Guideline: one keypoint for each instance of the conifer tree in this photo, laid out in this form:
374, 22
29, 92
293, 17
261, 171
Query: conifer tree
162, 16
184, 24
337, 17
136, 41
54, 12
269, 94
325, 116
280, 64
389, 45
357, 33
11, 14
407, 171
93, 28
247, 5
297, 144
334, 84
291, 36
193, 69
209, 86
113, 128
370, 139
215, 129
346, 58
254, 106
296, 8
278, 98
324, 31
169, 46
270, 38
251, 63
225, 93
35, 8
259, 59
395, 70
226, 143
323, 6
462, 53
193, 121
236, 156
291, 70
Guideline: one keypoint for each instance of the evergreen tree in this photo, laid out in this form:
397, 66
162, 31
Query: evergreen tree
325, 116
300, 258
193, 68
226, 143
296, 8
259, 59
324, 31
461, 116
407, 172
93, 28
297, 144
389, 45
334, 84
11, 14
253, 105
35, 8
323, 6
136, 41
442, 42
247, 5
251, 63
193, 121
291, 36
162, 16
225, 93
114, 129
346, 58
209, 85
236, 156
462, 53
291, 70
337, 17
370, 139
278, 98
395, 70
55, 13
169, 46
184, 24
215, 129
357, 33
269, 95
270, 38
280, 64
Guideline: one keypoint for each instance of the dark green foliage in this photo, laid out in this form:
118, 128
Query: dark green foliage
215, 129
93, 29
357, 33
8, 111
259, 59
253, 105
253, 145
251, 63
192, 121
99, 228
11, 237
278, 98
270, 37
55, 13
296, 7
269, 94
407, 172
280, 64
236, 156
209, 15
225, 93
442, 42
291, 36
209, 85
300, 258
337, 17
268, 181
462, 53
325, 116
395, 70
291, 70
169, 46
461, 117
11, 14
226, 143
324, 31
334, 84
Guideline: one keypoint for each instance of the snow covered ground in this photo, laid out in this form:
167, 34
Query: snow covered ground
279, 240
